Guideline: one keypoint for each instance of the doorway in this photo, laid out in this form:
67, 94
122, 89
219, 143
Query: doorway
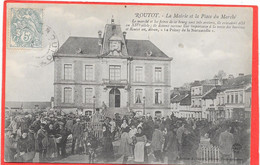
114, 98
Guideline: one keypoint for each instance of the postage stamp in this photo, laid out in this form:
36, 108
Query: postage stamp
26, 28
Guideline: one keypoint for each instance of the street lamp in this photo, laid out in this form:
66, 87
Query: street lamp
144, 105
94, 106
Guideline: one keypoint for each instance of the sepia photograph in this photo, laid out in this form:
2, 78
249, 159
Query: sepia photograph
128, 84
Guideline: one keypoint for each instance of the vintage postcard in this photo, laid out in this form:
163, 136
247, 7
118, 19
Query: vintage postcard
129, 84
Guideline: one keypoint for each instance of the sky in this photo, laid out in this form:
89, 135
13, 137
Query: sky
196, 56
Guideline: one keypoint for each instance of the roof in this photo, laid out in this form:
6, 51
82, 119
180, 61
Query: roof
177, 98
183, 99
179, 91
196, 83
186, 100
142, 47
211, 94
89, 46
238, 82
27, 105
86, 46
249, 89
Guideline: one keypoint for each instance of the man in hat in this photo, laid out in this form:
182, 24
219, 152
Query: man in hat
77, 133
69, 124
179, 134
37, 124
42, 137
25, 147
226, 141
64, 133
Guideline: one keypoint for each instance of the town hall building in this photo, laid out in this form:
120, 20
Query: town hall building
112, 71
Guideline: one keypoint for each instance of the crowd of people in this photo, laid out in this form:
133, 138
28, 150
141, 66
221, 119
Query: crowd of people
142, 139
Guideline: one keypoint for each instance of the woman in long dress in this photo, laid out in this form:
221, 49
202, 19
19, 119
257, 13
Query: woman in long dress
125, 145
139, 152
171, 145
108, 152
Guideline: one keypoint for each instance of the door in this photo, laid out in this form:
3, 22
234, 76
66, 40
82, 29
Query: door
114, 98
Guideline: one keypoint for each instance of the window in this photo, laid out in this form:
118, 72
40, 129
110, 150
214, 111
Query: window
158, 74
138, 96
138, 73
89, 72
114, 72
67, 71
232, 98
227, 98
222, 100
88, 95
236, 98
158, 96
241, 97
67, 95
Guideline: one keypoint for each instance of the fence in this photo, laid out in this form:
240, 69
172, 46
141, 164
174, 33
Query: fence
96, 127
208, 153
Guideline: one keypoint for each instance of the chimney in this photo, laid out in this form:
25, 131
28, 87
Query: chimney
241, 74
112, 20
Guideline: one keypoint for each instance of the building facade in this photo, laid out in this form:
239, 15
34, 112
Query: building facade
181, 103
198, 90
230, 99
111, 71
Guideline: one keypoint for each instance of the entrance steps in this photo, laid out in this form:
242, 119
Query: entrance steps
111, 111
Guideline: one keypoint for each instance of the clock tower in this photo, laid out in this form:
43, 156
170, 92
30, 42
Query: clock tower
115, 45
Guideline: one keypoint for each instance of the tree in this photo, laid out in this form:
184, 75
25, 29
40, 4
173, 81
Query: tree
221, 74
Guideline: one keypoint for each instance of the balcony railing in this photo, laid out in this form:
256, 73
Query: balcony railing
115, 82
